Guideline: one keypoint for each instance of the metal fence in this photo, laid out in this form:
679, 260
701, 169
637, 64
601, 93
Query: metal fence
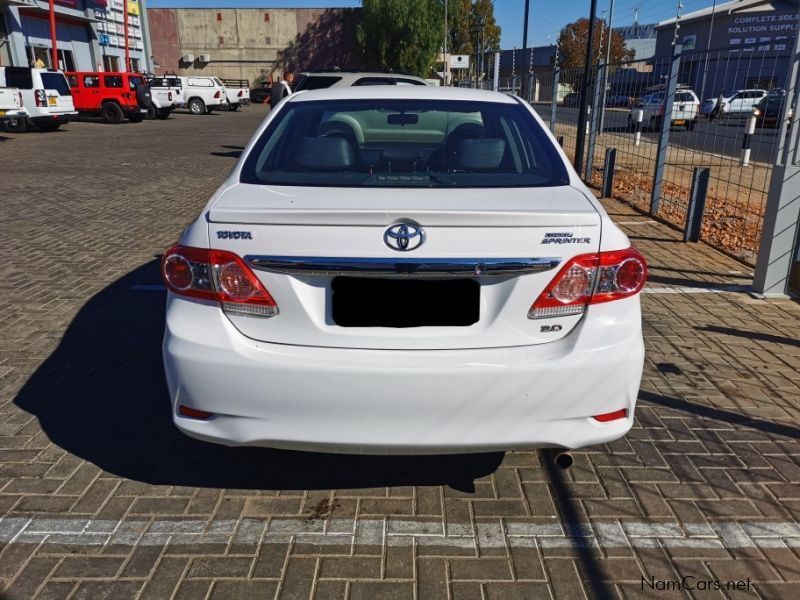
648, 112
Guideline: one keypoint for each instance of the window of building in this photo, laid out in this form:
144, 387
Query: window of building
111, 63
135, 65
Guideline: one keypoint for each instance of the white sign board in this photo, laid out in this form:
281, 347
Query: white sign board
459, 61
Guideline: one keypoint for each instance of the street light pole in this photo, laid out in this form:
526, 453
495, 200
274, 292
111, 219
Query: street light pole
584, 104
605, 70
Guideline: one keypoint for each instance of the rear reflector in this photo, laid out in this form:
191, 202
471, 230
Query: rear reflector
612, 416
193, 413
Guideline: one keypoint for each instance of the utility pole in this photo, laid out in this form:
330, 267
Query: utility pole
53, 34
605, 71
525, 82
584, 104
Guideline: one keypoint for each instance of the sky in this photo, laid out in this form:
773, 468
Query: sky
546, 18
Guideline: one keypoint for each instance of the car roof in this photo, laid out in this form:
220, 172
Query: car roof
384, 92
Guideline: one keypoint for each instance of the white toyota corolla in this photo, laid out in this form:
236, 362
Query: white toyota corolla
403, 270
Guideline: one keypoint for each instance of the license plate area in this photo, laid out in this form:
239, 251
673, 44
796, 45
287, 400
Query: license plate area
52, 101
404, 302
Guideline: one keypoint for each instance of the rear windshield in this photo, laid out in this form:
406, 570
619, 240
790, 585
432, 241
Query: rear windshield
684, 97
19, 78
56, 81
404, 143
315, 83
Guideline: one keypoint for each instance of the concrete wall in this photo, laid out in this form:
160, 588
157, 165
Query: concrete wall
249, 43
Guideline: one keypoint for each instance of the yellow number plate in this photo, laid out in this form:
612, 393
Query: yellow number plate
2, 113
679, 122
52, 100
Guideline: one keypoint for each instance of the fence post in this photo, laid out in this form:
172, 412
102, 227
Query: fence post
608, 172
663, 136
780, 235
697, 204
554, 103
638, 115
595, 120
748, 134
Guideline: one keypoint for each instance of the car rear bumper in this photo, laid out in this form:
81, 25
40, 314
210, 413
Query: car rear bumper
53, 118
404, 402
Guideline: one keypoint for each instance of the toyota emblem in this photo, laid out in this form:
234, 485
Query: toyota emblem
404, 237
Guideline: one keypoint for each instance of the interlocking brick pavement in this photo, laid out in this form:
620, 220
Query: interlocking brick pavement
100, 497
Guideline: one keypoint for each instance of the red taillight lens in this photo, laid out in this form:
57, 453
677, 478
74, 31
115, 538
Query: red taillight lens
216, 94
591, 279
41, 98
193, 413
216, 275
241, 93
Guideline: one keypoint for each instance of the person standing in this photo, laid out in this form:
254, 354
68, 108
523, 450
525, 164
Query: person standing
281, 89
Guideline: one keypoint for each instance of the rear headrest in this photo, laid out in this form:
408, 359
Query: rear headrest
480, 154
324, 154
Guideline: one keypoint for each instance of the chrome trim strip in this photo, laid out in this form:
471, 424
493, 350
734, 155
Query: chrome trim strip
382, 267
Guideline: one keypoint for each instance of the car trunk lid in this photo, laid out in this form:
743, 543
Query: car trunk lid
339, 282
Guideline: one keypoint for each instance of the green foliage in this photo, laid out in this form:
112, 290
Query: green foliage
461, 18
404, 35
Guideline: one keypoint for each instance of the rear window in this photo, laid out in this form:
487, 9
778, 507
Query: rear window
684, 97
19, 78
404, 143
56, 81
316, 83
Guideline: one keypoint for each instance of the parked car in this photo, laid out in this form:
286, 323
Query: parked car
46, 96
741, 102
168, 83
685, 110
495, 307
114, 96
572, 99
202, 94
11, 110
317, 80
620, 100
261, 94
768, 112
237, 92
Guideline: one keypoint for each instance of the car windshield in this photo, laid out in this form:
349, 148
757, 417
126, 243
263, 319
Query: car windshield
404, 143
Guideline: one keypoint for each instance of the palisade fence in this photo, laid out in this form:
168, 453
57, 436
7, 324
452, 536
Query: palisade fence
655, 169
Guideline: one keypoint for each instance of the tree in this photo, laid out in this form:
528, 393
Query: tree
461, 18
404, 35
572, 44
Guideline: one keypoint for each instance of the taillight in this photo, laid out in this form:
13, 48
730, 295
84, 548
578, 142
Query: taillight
591, 279
216, 94
216, 275
241, 93
41, 98
169, 96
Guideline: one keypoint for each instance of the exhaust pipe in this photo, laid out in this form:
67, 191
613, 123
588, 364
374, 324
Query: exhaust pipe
563, 460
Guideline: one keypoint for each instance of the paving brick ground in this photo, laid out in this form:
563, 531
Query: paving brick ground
100, 497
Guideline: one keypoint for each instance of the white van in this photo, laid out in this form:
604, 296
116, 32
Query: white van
45, 95
202, 94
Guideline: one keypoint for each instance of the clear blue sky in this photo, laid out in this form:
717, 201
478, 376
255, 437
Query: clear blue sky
547, 17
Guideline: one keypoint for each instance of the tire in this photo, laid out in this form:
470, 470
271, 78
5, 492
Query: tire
151, 113
49, 127
163, 113
112, 113
197, 106
143, 96
136, 117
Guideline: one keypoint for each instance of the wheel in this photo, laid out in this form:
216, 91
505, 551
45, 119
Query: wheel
112, 113
49, 127
197, 106
163, 113
151, 112
136, 117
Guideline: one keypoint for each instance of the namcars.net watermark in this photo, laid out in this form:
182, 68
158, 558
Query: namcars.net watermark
690, 583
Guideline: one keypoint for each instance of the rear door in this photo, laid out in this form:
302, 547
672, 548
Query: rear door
57, 90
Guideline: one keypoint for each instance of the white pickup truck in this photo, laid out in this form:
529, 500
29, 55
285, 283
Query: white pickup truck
167, 94
11, 110
237, 92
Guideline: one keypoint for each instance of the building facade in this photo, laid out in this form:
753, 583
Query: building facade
733, 45
90, 34
250, 44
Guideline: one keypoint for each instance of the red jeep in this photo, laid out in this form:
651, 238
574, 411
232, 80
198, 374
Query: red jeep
113, 96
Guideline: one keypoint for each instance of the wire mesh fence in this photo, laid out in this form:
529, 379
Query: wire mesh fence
666, 116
